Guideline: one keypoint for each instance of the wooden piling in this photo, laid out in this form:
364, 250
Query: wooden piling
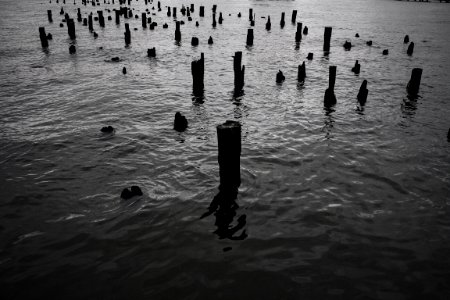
144, 20
151, 52
327, 38
414, 82
305, 30
410, 49
101, 19
229, 144
127, 34
72, 49
268, 24
71, 28
177, 31
117, 17
406, 39
198, 71
169, 12
250, 37
194, 41
330, 98
79, 18
298, 34
301, 75
174, 12
294, 16
202, 11
49, 15
250, 14
362, 94
43, 37
214, 23
91, 27
356, 68
220, 18
239, 71
282, 23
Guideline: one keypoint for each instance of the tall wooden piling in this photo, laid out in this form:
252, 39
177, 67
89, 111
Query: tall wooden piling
192, 7
294, 16
144, 20
220, 18
198, 71
414, 82
229, 144
169, 12
127, 34
174, 12
117, 17
268, 24
330, 98
239, 71
214, 23
410, 49
49, 15
301, 74
202, 11
177, 31
327, 38
250, 37
101, 18
282, 22
298, 34
250, 14
43, 37
362, 94
91, 26
79, 18
71, 28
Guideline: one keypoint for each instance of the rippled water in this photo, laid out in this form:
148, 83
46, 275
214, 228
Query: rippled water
344, 204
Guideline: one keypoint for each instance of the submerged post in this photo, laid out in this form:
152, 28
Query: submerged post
177, 31
49, 14
301, 73
238, 71
414, 82
250, 14
144, 20
202, 11
294, 16
229, 144
410, 49
327, 38
282, 20
71, 28
250, 37
198, 71
127, 34
43, 37
117, 16
298, 34
330, 98
91, 27
362, 94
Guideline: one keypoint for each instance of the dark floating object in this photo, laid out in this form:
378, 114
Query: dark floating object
239, 15
347, 45
151, 52
357, 35
189, 18
182, 22
180, 123
410, 49
356, 69
406, 39
414, 82
165, 26
210, 41
115, 59
385, 52
362, 94
107, 129
49, 36
72, 49
280, 77
310, 56
369, 43
124, 70
61, 25
128, 194
329, 98
301, 75
194, 41
305, 30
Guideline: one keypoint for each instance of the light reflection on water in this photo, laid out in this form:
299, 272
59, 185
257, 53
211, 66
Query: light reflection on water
340, 203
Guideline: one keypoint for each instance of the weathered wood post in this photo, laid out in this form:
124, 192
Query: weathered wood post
174, 12
327, 38
298, 34
406, 39
49, 15
301, 75
250, 37
305, 30
71, 29
330, 98
127, 34
151, 52
282, 20
214, 23
144, 20
239, 71
91, 27
43, 37
79, 19
192, 7
356, 68
198, 71
229, 144
414, 82
214, 8
410, 49
268, 24
202, 11
362, 94
194, 41
159, 6
101, 19
117, 17
220, 18
294, 16
177, 31
250, 14
169, 12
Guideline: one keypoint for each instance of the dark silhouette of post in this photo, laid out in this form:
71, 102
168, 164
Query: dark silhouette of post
43, 37
356, 68
282, 20
250, 14
301, 75
202, 11
214, 23
177, 31
79, 19
229, 144
298, 34
330, 98
414, 82
410, 49
294, 16
117, 16
174, 12
406, 39
327, 38
198, 72
127, 34
239, 72
194, 41
49, 14
91, 26
71, 29
362, 94
169, 12
250, 37
220, 18
268, 24
101, 19
151, 52
144, 20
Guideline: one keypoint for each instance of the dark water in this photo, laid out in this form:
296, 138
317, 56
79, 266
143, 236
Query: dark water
342, 205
